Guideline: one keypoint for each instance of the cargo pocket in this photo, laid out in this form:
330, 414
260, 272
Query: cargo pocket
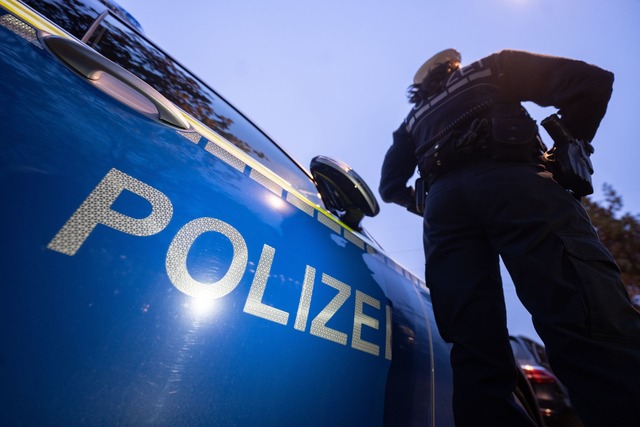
611, 315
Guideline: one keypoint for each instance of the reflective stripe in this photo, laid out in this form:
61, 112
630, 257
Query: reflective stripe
455, 85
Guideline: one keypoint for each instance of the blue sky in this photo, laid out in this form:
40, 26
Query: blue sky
330, 77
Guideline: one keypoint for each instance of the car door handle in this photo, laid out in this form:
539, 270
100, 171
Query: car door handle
91, 65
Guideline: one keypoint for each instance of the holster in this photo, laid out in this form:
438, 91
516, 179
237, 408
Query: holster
568, 160
571, 166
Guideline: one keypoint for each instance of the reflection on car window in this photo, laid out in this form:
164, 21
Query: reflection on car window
541, 354
119, 11
519, 351
74, 16
132, 51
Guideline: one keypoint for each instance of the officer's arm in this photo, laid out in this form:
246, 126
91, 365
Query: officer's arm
580, 91
398, 167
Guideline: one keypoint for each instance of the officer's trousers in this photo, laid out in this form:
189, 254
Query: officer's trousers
563, 275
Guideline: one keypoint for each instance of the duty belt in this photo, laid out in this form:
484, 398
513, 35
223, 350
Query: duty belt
456, 124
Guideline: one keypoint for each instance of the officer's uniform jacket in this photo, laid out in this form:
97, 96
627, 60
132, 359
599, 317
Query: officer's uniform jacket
493, 87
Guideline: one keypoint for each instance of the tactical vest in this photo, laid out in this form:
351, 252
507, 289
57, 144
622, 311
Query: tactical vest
472, 116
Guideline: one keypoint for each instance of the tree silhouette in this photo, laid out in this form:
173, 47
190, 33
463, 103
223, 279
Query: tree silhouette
620, 234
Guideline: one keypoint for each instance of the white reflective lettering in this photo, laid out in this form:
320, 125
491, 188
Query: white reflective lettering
96, 209
319, 323
360, 319
305, 299
176, 261
254, 304
387, 351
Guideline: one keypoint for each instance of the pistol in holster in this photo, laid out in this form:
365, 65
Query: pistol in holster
568, 159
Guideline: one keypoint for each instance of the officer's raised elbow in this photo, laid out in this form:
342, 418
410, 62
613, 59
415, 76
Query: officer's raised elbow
386, 193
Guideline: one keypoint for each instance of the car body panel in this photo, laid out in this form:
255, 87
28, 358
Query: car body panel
156, 275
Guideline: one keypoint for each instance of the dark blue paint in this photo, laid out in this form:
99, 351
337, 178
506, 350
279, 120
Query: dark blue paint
103, 336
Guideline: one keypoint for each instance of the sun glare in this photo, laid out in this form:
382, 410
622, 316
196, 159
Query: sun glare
275, 201
201, 307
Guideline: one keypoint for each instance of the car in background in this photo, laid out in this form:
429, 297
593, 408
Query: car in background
166, 263
552, 396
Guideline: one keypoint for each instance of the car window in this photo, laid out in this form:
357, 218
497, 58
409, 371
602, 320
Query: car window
77, 16
131, 50
519, 352
118, 10
74, 16
540, 353
134, 52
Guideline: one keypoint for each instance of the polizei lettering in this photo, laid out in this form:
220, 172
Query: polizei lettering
97, 209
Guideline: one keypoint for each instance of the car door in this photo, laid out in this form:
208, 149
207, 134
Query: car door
175, 266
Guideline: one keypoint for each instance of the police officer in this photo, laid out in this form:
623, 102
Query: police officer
490, 195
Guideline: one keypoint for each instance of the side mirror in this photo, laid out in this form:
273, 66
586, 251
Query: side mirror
343, 192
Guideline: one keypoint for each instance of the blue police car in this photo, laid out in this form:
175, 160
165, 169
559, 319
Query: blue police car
164, 262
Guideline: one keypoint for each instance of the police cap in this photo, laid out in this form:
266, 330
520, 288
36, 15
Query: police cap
437, 59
